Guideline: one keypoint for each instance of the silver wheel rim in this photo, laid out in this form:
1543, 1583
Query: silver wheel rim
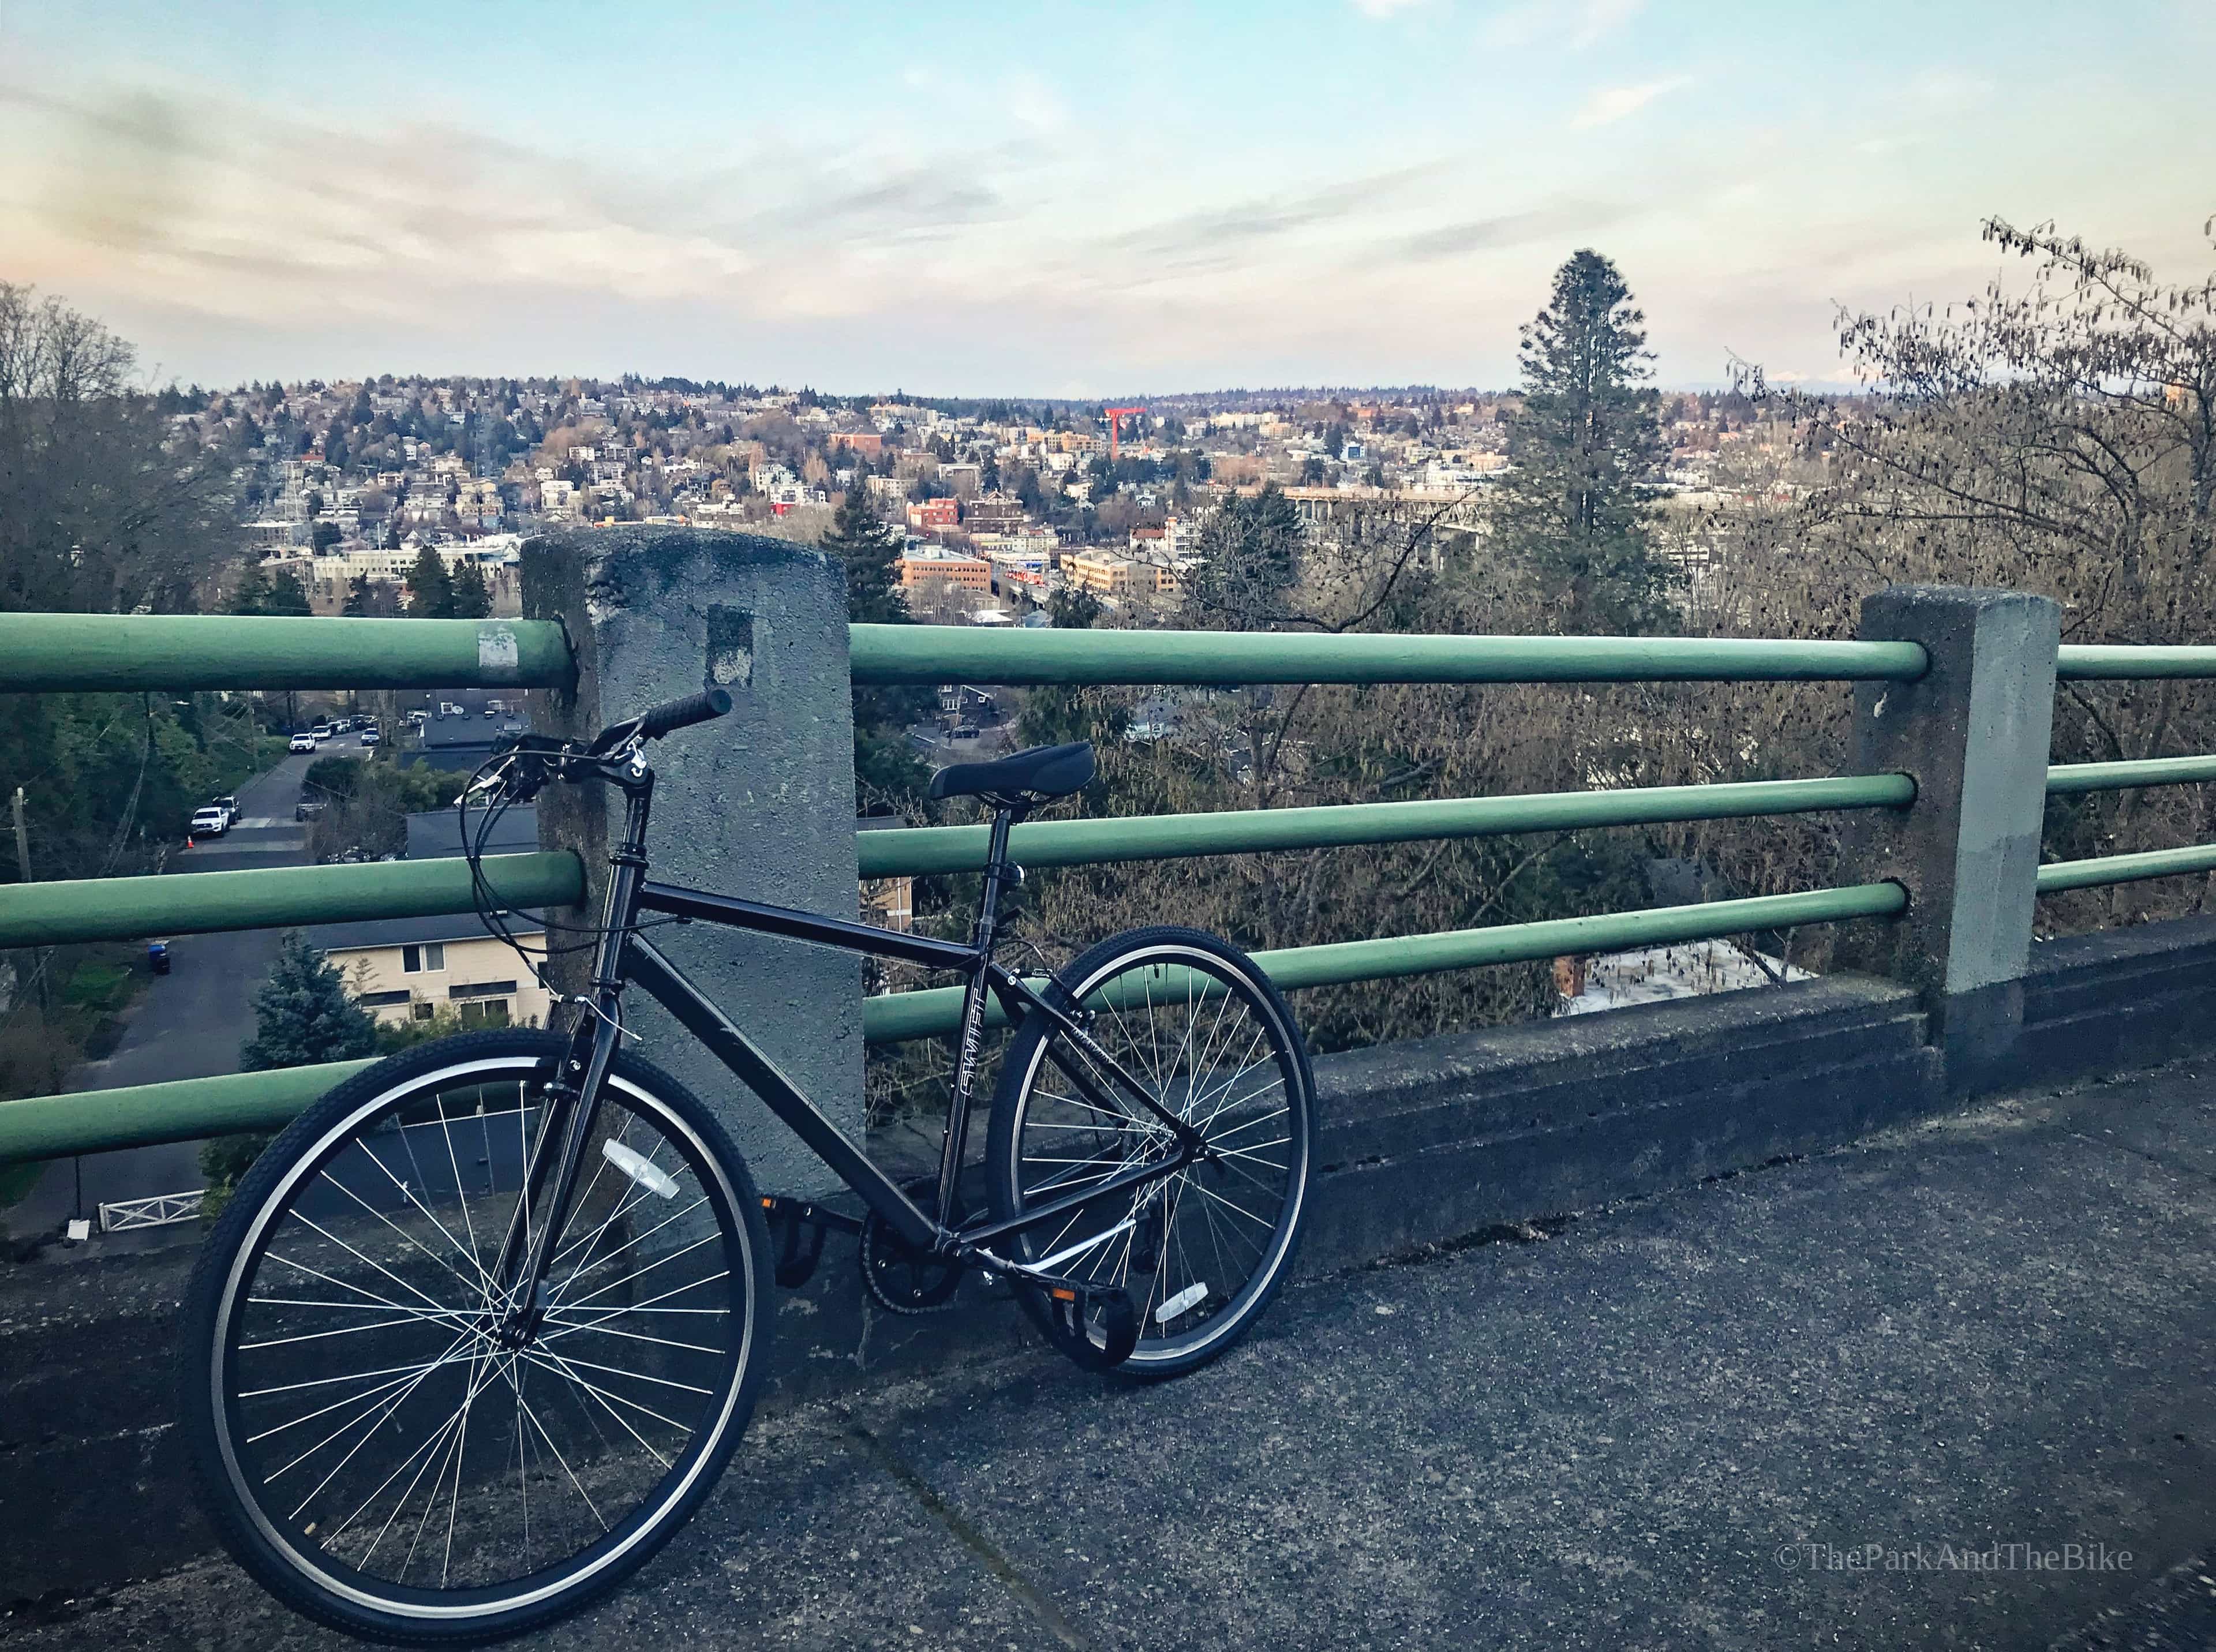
595, 1270
1204, 1224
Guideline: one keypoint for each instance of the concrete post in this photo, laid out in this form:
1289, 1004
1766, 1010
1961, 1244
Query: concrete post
759, 804
1973, 732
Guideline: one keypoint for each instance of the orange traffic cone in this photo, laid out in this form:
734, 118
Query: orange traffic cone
188, 840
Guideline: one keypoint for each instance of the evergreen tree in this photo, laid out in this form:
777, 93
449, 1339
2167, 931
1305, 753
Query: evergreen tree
250, 593
887, 775
430, 587
871, 550
1248, 557
1589, 433
472, 600
302, 1017
285, 596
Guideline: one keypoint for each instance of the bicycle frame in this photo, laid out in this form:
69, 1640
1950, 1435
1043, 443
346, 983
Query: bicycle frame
625, 956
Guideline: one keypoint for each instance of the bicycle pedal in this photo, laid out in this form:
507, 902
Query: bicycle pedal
1078, 1308
799, 1241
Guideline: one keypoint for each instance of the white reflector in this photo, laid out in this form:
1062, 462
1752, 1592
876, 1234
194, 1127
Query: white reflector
638, 1169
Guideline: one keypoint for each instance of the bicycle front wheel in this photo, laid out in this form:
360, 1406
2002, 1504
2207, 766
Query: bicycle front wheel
1191, 1020
373, 1447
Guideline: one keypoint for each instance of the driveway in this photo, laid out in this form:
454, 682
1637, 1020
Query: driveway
190, 1022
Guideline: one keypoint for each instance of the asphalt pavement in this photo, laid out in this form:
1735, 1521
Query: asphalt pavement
1946, 1387
190, 1022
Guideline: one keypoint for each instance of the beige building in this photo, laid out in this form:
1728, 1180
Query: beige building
403, 969
450, 964
1117, 576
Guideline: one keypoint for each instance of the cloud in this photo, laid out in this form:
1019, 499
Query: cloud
1208, 238
1514, 27
1613, 103
1035, 105
1507, 229
1598, 19
1950, 90
1387, 8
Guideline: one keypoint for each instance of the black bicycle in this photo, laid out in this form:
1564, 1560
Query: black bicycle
480, 1329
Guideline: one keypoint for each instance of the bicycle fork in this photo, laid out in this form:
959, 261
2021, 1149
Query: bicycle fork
573, 1098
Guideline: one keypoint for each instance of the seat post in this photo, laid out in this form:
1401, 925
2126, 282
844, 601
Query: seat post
1006, 813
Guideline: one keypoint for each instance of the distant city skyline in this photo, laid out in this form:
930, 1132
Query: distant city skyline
1143, 199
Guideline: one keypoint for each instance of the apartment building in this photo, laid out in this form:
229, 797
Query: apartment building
970, 572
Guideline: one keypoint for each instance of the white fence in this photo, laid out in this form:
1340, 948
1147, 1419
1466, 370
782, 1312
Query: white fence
124, 1215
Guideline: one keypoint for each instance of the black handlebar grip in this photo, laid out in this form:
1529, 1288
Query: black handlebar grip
704, 707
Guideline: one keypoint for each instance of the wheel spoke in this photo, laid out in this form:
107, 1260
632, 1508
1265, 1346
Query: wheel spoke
433, 1456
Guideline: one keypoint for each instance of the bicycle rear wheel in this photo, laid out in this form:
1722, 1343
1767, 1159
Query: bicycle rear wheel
1202, 1252
371, 1449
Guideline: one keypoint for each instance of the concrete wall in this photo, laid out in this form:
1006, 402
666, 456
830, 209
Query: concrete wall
1437, 1141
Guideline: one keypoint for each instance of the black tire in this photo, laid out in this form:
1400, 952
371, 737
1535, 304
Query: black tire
306, 1558
1025, 1106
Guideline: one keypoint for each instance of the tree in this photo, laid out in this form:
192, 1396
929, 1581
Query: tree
2056, 434
1571, 514
887, 776
1248, 557
302, 1017
471, 597
430, 587
252, 591
285, 595
323, 536
870, 550
103, 508
368, 598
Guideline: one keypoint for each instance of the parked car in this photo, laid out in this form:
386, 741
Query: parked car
210, 822
303, 741
369, 737
322, 732
230, 806
307, 809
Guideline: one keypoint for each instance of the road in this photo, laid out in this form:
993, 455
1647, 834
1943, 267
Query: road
191, 1021
1852, 1401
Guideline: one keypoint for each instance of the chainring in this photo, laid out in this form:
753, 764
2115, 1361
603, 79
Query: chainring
900, 1278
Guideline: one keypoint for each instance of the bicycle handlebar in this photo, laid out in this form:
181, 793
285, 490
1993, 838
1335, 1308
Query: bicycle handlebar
665, 719
704, 707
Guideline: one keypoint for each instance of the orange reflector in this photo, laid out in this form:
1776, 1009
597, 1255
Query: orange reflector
1060, 1295
767, 1202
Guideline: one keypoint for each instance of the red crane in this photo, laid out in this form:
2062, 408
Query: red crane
1116, 426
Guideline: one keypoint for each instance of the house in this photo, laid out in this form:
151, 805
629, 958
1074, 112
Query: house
930, 515
890, 903
403, 969
971, 572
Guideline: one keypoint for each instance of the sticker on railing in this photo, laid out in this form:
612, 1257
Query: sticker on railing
497, 649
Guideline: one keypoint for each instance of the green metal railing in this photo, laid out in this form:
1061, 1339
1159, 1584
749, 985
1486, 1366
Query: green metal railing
121, 909
941, 653
53, 652
44, 653
929, 849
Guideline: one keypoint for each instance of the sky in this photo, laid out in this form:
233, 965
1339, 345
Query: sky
962, 199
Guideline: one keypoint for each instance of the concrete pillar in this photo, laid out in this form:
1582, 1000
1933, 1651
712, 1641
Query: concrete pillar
1973, 732
759, 804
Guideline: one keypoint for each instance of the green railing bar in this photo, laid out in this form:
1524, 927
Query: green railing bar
894, 1017
185, 1110
198, 903
46, 1127
2067, 778
927, 849
942, 653
51, 653
2057, 876
2083, 662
